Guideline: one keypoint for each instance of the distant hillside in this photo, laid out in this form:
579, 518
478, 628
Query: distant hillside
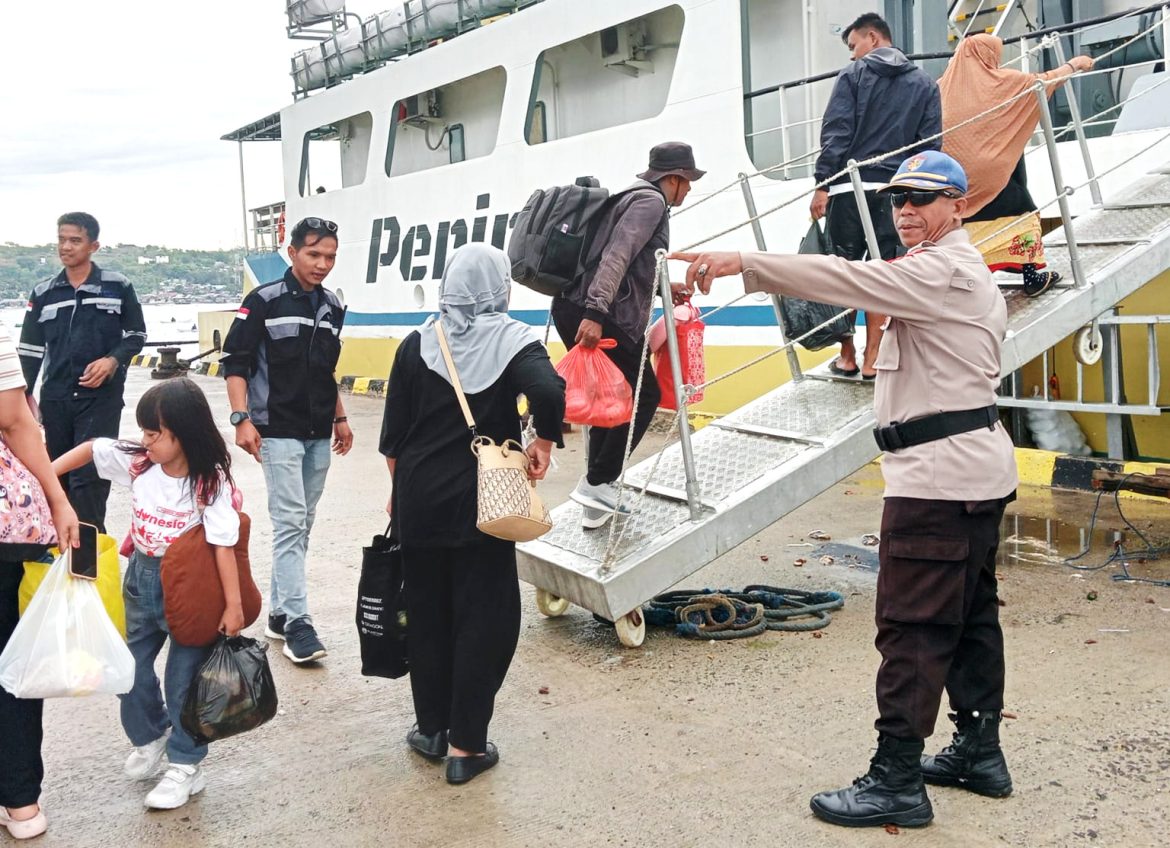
158, 273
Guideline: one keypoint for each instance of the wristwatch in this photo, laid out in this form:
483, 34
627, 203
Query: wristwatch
238, 418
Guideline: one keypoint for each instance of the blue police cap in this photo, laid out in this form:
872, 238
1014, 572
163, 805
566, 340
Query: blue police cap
931, 170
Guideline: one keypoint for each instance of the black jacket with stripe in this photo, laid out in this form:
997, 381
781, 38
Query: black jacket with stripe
287, 352
65, 329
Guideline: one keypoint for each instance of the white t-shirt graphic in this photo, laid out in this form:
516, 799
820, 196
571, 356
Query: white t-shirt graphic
164, 506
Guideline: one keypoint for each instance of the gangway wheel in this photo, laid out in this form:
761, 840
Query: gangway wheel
631, 629
549, 604
1088, 344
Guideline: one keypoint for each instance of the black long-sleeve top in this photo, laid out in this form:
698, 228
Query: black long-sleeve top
434, 497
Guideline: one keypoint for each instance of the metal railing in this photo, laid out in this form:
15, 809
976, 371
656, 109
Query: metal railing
1115, 402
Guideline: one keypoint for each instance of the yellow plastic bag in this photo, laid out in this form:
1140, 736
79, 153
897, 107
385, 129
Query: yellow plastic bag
109, 582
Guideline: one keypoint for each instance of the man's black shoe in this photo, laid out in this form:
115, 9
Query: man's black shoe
301, 644
891, 792
463, 769
433, 747
275, 627
974, 760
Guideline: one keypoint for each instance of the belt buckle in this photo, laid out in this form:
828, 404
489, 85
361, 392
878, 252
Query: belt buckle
888, 438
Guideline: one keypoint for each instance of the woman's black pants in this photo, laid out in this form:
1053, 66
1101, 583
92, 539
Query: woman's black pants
463, 608
21, 769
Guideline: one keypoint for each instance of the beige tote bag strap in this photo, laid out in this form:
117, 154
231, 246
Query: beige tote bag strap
454, 375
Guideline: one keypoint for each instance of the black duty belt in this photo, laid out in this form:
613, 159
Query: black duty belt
931, 428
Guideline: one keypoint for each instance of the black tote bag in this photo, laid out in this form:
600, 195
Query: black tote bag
800, 316
381, 609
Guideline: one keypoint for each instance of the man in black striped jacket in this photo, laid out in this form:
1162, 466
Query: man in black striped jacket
80, 331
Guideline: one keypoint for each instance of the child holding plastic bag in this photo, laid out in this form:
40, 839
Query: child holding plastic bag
21, 767
179, 475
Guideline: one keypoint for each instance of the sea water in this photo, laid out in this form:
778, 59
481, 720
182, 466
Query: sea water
165, 322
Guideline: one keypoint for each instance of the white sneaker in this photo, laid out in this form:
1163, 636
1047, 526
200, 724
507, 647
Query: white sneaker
176, 788
145, 760
601, 498
592, 519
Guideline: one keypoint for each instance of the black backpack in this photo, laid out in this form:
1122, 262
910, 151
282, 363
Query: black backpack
552, 232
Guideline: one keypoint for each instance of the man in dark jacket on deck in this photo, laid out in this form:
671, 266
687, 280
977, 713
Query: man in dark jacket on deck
613, 300
881, 102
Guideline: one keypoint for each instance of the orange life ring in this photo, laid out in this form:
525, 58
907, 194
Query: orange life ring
280, 230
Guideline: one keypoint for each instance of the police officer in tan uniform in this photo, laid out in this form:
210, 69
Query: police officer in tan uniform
949, 469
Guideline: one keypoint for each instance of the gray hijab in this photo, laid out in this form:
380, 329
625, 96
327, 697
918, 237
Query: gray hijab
473, 305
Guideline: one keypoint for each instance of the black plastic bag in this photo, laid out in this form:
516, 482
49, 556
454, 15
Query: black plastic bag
381, 609
800, 316
232, 692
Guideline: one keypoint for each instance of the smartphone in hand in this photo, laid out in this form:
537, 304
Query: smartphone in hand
83, 560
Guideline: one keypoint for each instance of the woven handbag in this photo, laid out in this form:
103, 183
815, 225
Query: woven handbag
508, 505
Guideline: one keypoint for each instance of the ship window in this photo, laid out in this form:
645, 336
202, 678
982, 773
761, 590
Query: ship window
616, 75
334, 156
455, 143
452, 123
537, 132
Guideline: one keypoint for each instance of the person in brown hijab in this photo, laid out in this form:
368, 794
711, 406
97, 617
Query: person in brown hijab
991, 152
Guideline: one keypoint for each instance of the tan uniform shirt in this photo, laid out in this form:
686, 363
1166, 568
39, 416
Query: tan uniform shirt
940, 353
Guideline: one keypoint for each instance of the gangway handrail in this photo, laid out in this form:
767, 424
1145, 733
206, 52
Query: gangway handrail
920, 57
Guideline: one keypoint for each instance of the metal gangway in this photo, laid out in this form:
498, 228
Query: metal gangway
713, 489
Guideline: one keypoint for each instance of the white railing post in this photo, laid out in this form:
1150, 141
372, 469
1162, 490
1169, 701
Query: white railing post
863, 211
1062, 191
1074, 111
758, 231
680, 392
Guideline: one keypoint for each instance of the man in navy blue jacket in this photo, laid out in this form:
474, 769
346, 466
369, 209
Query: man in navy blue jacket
881, 102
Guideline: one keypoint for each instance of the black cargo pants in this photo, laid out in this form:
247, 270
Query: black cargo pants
71, 422
937, 612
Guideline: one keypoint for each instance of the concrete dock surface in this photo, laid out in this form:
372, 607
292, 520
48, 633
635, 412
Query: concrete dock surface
680, 743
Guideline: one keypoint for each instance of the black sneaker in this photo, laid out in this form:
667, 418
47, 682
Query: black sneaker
275, 628
301, 644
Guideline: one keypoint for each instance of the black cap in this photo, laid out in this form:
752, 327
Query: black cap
671, 157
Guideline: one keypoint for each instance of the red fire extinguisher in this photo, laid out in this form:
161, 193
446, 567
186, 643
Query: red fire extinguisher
688, 330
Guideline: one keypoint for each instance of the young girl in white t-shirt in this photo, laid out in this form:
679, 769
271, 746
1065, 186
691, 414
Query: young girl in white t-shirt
179, 475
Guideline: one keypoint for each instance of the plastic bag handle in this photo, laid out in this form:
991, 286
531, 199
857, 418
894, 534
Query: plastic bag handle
606, 344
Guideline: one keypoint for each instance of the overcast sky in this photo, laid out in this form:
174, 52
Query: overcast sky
117, 108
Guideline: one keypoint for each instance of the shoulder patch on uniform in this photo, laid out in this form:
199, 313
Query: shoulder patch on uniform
269, 291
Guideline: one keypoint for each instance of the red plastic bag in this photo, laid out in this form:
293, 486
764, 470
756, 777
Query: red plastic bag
596, 392
694, 366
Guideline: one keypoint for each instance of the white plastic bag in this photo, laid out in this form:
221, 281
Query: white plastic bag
65, 644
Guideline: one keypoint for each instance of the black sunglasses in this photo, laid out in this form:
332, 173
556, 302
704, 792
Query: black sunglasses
917, 198
320, 224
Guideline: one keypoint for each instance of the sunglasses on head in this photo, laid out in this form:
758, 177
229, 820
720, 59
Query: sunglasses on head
917, 198
321, 224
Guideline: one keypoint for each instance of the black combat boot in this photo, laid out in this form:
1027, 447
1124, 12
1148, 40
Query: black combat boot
891, 792
973, 760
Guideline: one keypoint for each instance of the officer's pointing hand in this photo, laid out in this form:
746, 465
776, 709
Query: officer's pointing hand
705, 267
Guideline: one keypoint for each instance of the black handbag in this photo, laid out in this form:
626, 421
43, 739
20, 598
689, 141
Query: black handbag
799, 316
381, 609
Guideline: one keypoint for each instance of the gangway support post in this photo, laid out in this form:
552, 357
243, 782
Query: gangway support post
758, 231
680, 393
1074, 111
1062, 191
871, 241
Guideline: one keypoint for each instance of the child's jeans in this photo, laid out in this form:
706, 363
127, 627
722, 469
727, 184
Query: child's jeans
144, 716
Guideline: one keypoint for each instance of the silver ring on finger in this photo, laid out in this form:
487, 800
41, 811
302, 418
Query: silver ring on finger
702, 272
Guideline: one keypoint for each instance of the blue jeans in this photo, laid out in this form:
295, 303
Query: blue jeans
294, 470
144, 715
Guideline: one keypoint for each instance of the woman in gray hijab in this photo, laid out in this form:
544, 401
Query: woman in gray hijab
463, 598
